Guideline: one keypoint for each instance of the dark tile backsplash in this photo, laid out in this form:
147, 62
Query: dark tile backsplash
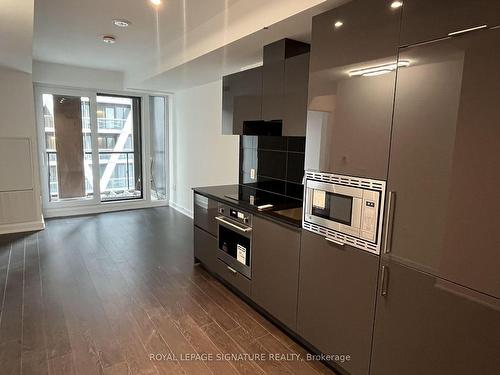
278, 163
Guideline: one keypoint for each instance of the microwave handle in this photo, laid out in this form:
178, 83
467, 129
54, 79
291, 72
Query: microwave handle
245, 230
391, 202
337, 242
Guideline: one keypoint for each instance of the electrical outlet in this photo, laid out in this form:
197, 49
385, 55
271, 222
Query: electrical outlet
252, 173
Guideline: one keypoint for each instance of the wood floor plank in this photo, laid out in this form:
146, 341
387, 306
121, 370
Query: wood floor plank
251, 345
99, 294
229, 347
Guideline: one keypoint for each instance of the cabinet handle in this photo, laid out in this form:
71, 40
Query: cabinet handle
385, 281
233, 271
245, 229
337, 242
391, 202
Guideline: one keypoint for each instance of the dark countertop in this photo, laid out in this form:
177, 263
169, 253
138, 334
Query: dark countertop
285, 209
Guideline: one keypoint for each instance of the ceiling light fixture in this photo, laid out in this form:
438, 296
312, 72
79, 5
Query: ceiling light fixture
378, 70
109, 39
155, 2
338, 24
396, 4
121, 23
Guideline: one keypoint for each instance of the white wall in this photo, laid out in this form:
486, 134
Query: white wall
75, 76
19, 187
200, 154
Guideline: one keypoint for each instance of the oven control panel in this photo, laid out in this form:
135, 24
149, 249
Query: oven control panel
237, 215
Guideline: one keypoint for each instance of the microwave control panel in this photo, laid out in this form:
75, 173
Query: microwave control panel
369, 215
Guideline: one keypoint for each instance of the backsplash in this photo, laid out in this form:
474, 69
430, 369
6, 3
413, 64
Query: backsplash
278, 163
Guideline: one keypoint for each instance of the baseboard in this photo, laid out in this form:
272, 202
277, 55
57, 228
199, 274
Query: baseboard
107, 207
181, 209
22, 227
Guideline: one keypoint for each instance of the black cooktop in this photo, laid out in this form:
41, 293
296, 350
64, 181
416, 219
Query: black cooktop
283, 208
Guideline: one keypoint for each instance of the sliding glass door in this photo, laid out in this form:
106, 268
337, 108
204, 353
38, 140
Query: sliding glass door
119, 147
68, 147
92, 148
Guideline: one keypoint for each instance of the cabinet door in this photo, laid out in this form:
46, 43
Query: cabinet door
444, 160
425, 20
273, 82
205, 211
337, 292
241, 99
426, 325
296, 81
205, 248
351, 84
275, 269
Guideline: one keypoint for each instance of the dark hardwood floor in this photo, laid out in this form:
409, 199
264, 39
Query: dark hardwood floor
99, 294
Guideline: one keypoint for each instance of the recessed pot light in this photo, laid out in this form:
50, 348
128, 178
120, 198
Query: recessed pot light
121, 23
338, 24
109, 39
396, 4
155, 2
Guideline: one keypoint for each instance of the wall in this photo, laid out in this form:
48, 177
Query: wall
19, 183
201, 156
75, 76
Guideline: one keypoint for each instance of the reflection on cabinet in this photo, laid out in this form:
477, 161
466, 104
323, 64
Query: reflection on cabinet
426, 325
205, 248
337, 292
275, 269
425, 20
241, 99
284, 85
205, 211
295, 97
444, 160
351, 88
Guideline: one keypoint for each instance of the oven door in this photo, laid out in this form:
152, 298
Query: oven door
235, 245
336, 207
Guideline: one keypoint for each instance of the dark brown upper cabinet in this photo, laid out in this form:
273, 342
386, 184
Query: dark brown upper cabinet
241, 100
427, 325
337, 294
443, 177
425, 20
272, 99
351, 88
284, 85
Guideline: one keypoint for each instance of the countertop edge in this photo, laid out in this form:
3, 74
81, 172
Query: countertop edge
264, 214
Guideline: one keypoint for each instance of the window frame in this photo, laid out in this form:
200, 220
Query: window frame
94, 204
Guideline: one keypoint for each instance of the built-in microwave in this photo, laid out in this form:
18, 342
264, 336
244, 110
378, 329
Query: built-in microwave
345, 209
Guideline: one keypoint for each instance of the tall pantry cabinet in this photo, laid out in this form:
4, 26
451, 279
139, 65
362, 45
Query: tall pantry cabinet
438, 307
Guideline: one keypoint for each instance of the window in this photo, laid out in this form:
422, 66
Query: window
120, 148
100, 160
158, 146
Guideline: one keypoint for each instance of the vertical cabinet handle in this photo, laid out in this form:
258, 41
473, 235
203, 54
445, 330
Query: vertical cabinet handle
385, 281
391, 202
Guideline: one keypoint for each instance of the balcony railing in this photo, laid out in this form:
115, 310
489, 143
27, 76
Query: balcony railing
114, 184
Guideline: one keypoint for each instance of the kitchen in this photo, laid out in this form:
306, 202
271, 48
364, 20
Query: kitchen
317, 195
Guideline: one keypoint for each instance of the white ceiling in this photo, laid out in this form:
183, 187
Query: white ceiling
16, 31
163, 46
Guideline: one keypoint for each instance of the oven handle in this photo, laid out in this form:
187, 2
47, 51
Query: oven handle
245, 230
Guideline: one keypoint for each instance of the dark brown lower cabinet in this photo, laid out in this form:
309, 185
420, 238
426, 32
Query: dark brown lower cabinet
275, 269
337, 293
205, 248
426, 325
233, 277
